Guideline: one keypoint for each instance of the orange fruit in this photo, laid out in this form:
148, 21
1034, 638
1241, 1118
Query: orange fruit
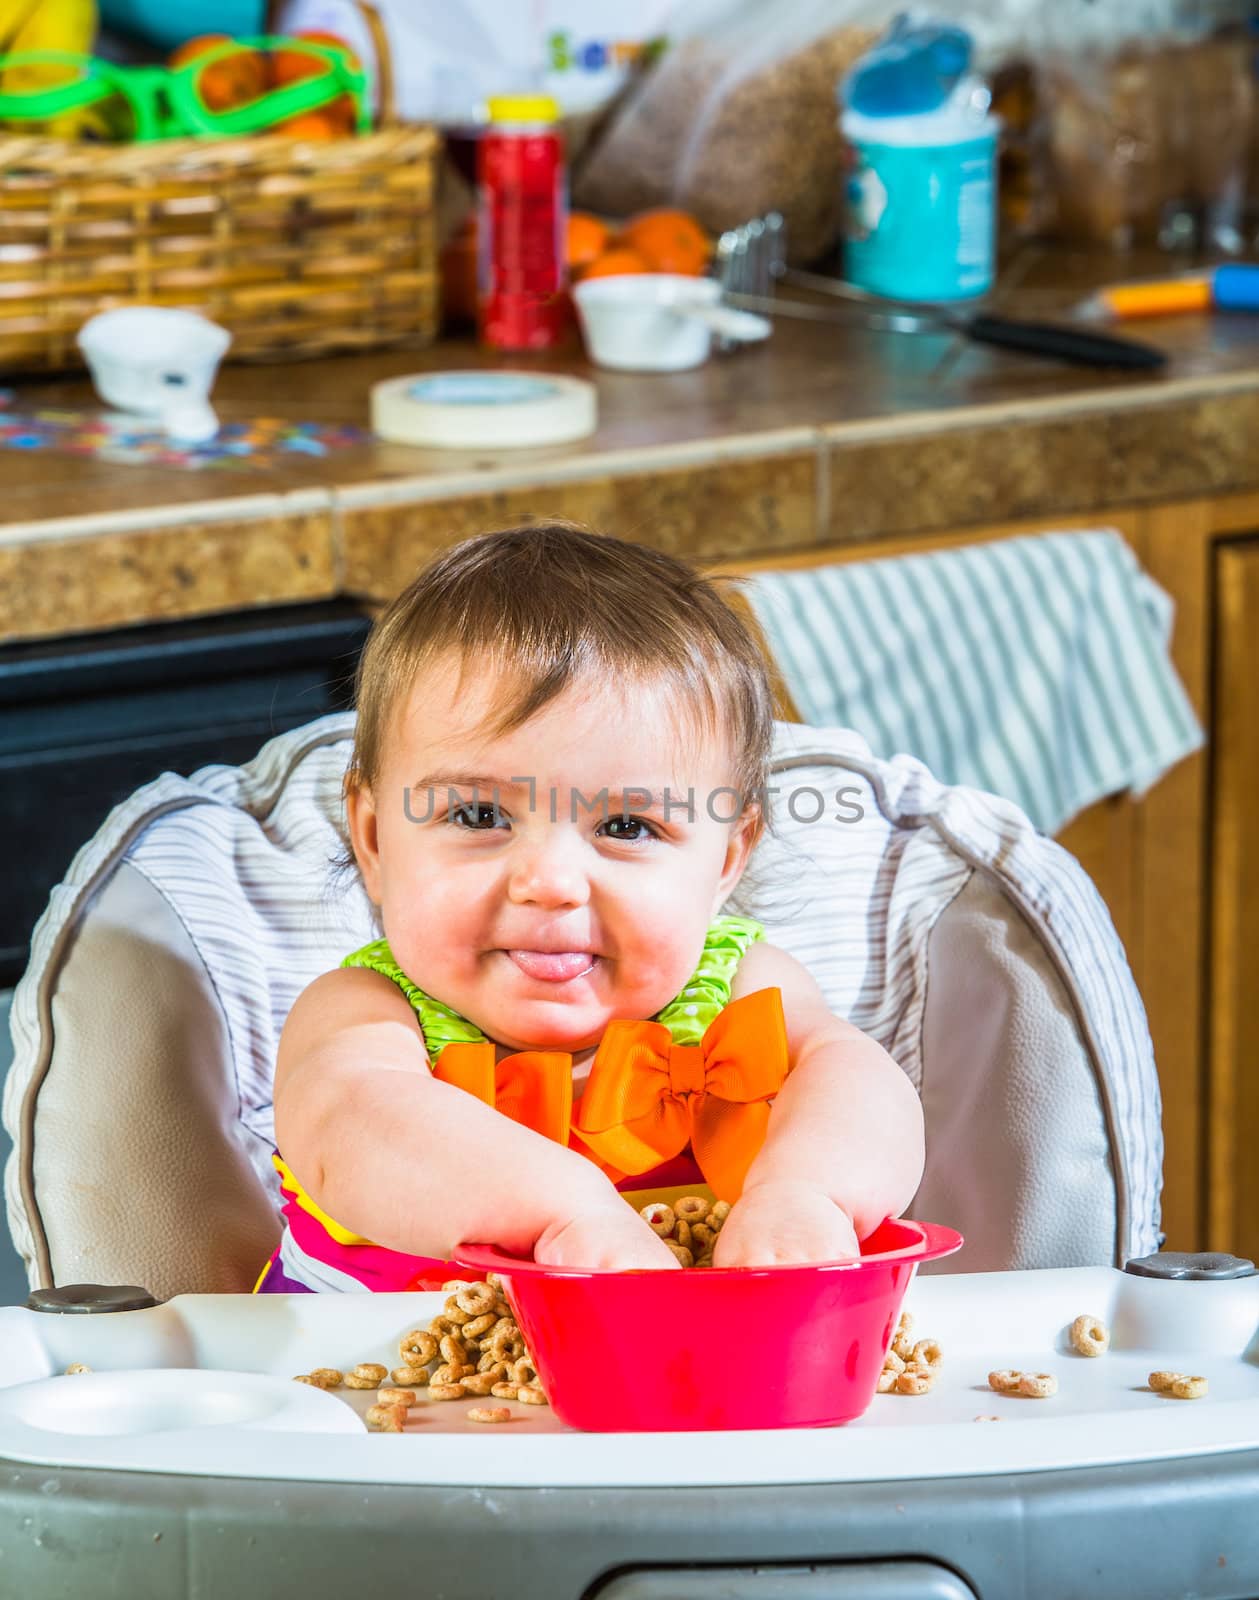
587, 239
672, 241
319, 124
291, 66
615, 263
234, 81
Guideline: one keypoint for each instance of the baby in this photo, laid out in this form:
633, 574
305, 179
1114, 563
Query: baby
558, 777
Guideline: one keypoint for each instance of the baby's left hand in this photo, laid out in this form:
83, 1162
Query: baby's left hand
783, 1224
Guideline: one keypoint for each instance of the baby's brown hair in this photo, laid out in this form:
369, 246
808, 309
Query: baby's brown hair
549, 601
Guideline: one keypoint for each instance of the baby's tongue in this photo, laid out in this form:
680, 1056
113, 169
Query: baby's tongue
553, 966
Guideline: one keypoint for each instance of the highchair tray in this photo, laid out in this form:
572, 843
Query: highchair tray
188, 1466
203, 1385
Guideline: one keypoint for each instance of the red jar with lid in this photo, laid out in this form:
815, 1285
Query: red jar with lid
521, 303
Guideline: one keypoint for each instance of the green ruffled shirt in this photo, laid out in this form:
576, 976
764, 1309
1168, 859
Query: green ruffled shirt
687, 1016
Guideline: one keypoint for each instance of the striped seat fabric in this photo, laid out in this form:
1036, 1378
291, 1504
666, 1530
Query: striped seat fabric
1034, 668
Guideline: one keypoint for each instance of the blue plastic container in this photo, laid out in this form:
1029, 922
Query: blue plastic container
168, 23
920, 214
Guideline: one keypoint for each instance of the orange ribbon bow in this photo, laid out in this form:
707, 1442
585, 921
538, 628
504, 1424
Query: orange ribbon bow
647, 1098
534, 1087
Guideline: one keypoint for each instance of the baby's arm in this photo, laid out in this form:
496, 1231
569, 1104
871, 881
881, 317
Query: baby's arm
845, 1142
421, 1166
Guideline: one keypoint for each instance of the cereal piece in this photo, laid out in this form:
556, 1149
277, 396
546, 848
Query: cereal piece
685, 1258
446, 1391
476, 1299
388, 1419
927, 1353
706, 1260
441, 1325
305, 1377
505, 1391
494, 1281
387, 1396
717, 1216
682, 1234
893, 1363
417, 1348
451, 1372
489, 1414
903, 1345
1090, 1336
887, 1380
913, 1382
479, 1326
692, 1208
1005, 1380
1161, 1382
326, 1377
454, 1314
455, 1284
703, 1238
986, 1417
481, 1382
410, 1377
453, 1350
905, 1324
531, 1395
1037, 1385
1189, 1388
522, 1371
75, 1368
660, 1219
367, 1375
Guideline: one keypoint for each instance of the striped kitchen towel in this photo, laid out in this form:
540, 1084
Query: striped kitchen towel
1035, 668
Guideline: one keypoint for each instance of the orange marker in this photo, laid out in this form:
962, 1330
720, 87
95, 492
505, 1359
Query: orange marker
1234, 287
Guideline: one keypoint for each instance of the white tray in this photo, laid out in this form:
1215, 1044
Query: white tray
202, 1385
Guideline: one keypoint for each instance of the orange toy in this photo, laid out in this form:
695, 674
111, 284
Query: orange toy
670, 241
234, 81
587, 239
291, 66
321, 124
615, 263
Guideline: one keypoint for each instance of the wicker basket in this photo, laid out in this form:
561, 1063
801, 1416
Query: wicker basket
297, 248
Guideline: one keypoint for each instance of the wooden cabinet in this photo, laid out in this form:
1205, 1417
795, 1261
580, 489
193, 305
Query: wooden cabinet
1179, 868
1232, 1049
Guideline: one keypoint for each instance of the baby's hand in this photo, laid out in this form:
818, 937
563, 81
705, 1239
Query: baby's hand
611, 1238
782, 1224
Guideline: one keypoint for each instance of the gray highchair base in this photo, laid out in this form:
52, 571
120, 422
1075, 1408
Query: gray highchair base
1145, 1531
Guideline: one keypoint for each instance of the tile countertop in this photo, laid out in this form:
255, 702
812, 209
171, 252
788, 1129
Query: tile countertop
822, 434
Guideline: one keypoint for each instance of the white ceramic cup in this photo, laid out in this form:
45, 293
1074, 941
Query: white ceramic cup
656, 321
157, 362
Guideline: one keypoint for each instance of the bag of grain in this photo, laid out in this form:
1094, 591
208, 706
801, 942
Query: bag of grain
739, 118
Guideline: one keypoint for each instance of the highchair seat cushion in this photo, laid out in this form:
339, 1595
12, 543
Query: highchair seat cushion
935, 918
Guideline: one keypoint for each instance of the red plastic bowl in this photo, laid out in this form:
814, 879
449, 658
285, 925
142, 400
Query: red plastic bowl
725, 1347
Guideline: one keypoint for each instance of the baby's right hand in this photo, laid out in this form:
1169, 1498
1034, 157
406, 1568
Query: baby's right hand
610, 1238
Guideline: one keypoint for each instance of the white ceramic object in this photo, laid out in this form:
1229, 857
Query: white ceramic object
159, 363
657, 321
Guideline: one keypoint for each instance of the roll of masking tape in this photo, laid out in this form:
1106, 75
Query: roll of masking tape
491, 410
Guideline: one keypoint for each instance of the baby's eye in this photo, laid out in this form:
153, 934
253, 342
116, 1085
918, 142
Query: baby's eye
476, 818
629, 830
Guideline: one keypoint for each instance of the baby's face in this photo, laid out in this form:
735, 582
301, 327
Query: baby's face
545, 917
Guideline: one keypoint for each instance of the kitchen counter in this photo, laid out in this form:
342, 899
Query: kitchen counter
821, 437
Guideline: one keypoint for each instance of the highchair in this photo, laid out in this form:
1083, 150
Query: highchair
936, 918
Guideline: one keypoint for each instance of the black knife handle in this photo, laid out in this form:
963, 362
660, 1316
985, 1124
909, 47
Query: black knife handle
1066, 344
